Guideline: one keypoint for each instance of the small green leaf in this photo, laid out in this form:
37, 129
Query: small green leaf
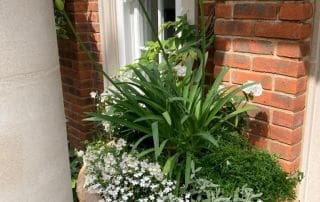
162, 145
166, 116
145, 152
187, 173
136, 144
208, 136
184, 118
169, 165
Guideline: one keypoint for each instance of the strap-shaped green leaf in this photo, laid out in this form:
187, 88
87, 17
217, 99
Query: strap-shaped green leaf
208, 136
155, 136
187, 173
144, 153
112, 119
224, 100
136, 144
149, 117
231, 115
170, 164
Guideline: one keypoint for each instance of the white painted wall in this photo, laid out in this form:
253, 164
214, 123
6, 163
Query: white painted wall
310, 190
33, 146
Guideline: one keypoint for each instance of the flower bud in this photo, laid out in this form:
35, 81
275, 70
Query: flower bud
59, 4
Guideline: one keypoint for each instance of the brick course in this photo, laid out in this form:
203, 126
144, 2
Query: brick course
296, 11
255, 11
268, 42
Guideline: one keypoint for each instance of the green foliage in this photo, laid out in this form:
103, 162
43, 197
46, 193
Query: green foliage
184, 43
60, 21
236, 165
204, 190
173, 119
75, 166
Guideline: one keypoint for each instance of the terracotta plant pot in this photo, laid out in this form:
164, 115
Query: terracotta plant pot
82, 193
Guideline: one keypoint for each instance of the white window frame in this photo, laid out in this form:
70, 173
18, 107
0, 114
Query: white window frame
116, 44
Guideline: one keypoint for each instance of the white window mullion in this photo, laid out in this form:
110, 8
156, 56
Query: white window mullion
136, 33
179, 10
187, 7
160, 18
121, 15
110, 36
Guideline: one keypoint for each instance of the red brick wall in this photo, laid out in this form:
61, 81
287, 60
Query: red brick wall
79, 77
268, 42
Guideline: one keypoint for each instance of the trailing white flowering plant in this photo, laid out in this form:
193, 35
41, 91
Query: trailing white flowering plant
117, 175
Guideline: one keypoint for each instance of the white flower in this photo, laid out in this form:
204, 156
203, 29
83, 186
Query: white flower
180, 70
151, 197
167, 190
142, 105
93, 94
228, 163
220, 87
80, 153
121, 143
106, 125
255, 90
119, 176
104, 96
125, 75
125, 197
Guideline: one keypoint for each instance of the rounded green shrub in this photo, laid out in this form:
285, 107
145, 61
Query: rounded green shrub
236, 165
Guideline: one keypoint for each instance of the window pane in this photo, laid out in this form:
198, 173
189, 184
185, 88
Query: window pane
169, 14
152, 8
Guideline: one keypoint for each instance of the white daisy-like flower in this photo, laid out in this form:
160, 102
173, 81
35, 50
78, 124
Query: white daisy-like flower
180, 70
121, 143
221, 87
93, 94
104, 96
255, 90
106, 125
80, 153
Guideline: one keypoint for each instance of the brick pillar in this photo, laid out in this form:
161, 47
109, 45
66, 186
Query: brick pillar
79, 77
267, 42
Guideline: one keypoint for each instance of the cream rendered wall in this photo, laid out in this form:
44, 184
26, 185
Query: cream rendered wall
310, 189
33, 146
